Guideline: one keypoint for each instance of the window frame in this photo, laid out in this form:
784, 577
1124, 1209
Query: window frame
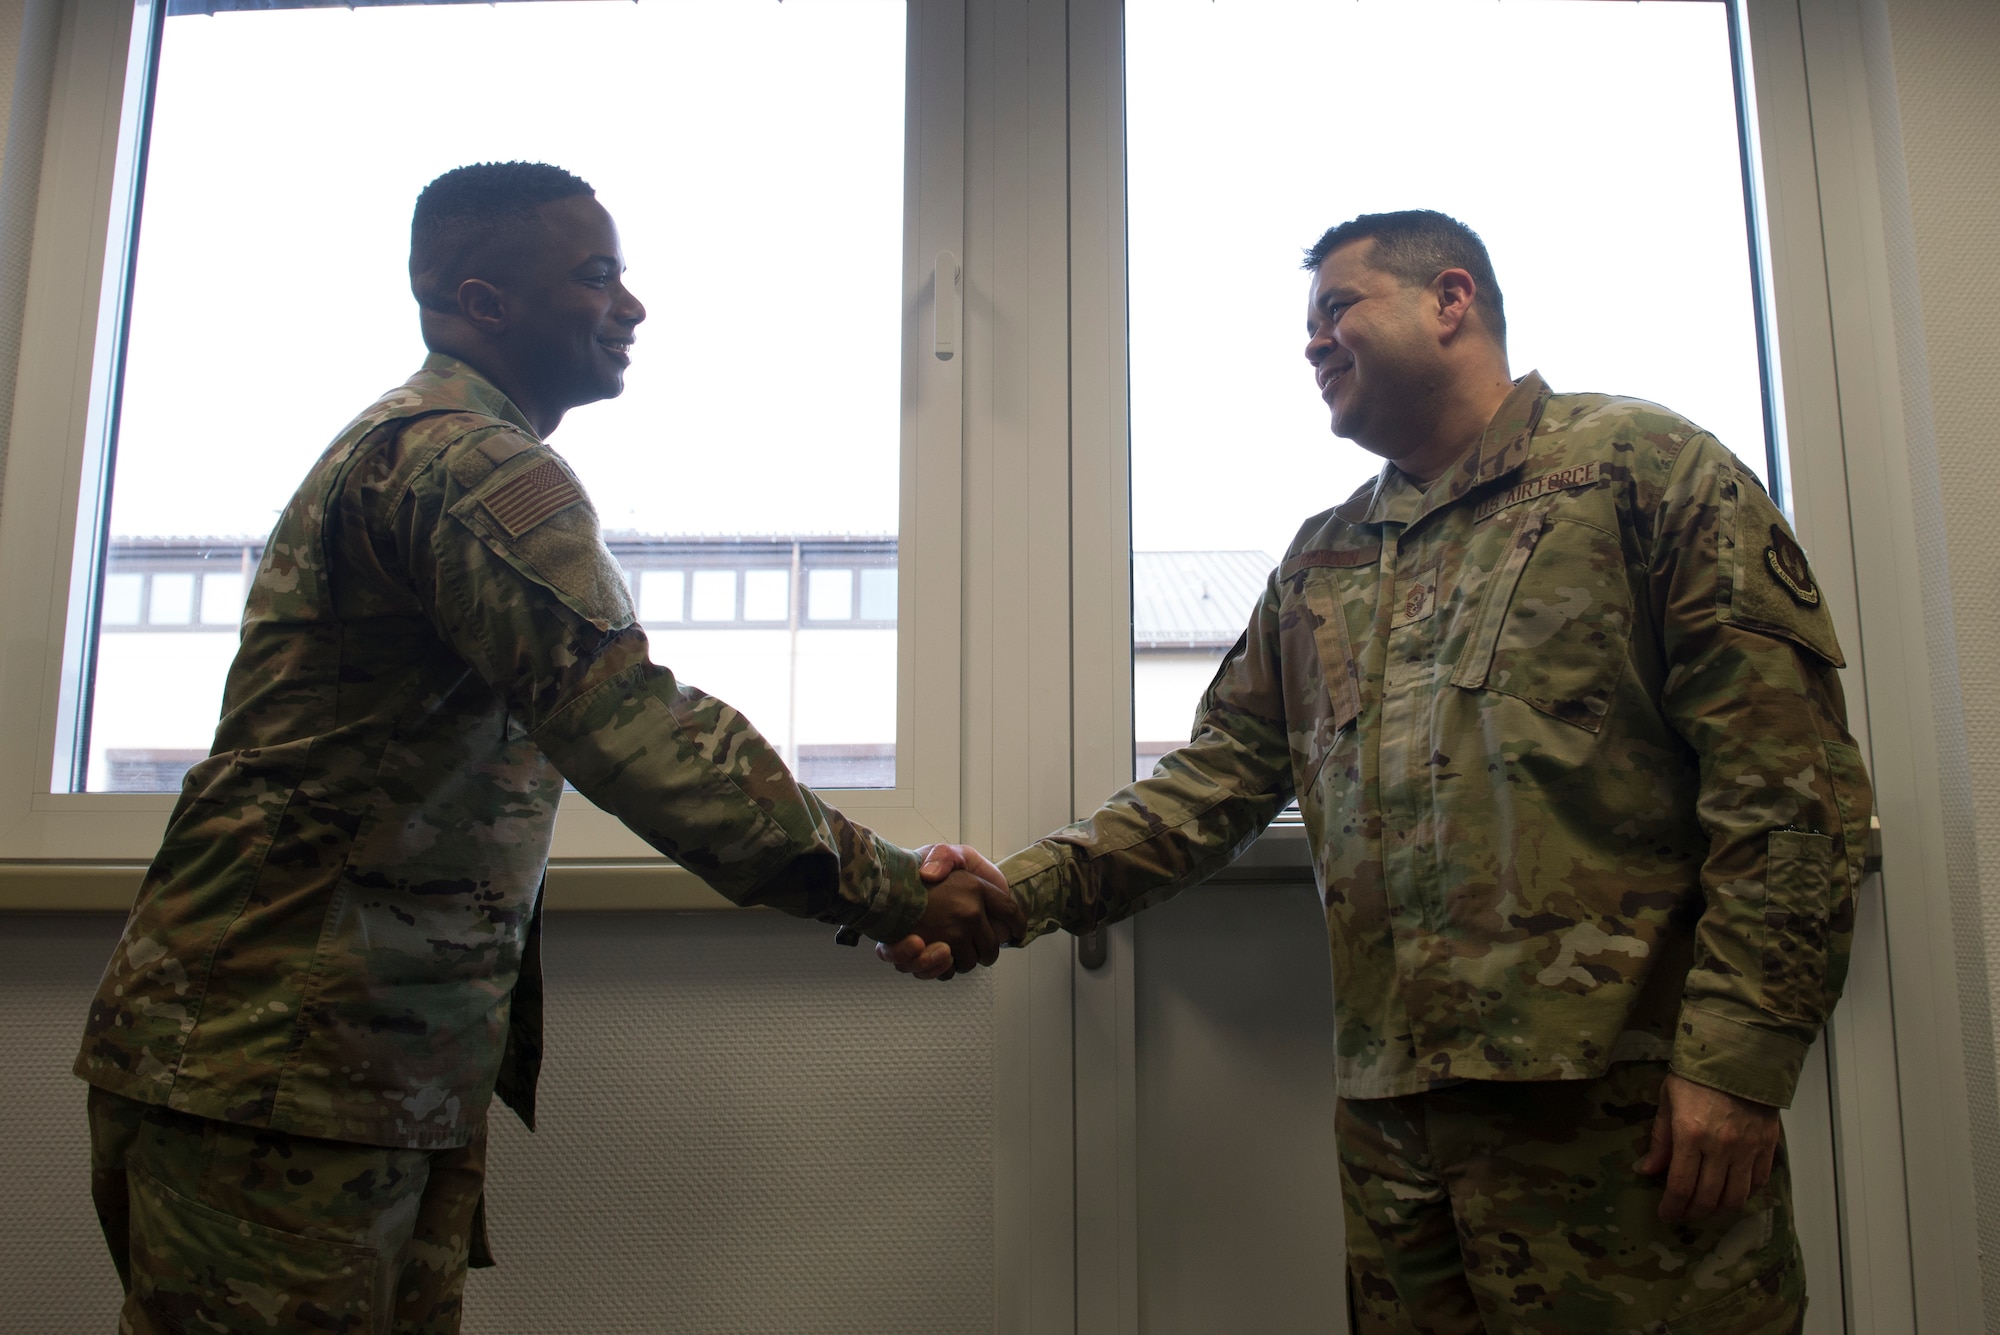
59, 471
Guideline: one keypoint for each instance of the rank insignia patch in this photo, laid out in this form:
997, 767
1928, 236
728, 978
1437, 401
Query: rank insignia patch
527, 500
1788, 566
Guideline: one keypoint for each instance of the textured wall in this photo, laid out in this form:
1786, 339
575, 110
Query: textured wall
1239, 1189
1946, 56
54, 1276
744, 1129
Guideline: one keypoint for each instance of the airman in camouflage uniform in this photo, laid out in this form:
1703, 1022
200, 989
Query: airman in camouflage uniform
1564, 726
333, 961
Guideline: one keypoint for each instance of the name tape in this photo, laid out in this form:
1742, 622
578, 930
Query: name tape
1562, 479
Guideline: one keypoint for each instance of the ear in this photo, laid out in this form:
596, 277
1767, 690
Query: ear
1454, 291
483, 306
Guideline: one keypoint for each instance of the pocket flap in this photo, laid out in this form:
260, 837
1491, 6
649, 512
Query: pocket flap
534, 516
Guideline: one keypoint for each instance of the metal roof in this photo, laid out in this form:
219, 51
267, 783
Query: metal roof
1194, 600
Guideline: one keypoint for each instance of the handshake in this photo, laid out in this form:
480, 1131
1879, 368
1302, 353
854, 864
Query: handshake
970, 915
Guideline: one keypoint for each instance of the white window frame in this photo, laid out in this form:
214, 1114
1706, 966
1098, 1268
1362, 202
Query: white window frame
84, 849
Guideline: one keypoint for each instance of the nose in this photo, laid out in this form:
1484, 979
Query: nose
1318, 344
630, 309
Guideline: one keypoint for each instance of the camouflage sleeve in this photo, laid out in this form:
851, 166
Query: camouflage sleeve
1202, 806
522, 587
1751, 685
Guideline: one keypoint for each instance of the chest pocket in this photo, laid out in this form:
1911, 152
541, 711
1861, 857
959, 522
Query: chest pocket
1322, 678
1555, 622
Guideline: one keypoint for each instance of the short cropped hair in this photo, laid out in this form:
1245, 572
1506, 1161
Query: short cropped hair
1415, 246
465, 219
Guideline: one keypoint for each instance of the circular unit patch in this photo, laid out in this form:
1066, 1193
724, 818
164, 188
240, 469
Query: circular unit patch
1788, 566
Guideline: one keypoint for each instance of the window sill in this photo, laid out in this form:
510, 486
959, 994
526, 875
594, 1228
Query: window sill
108, 887
600, 885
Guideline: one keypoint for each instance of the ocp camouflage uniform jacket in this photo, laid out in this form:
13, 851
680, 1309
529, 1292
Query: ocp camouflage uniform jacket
1572, 758
329, 940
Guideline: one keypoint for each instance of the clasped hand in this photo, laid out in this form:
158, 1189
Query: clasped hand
970, 915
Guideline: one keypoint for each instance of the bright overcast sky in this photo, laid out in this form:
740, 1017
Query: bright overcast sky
1592, 145
752, 153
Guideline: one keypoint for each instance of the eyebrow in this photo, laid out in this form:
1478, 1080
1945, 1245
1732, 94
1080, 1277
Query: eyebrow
612, 260
1333, 296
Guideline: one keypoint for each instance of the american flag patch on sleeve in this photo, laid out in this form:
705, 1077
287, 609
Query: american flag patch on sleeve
523, 502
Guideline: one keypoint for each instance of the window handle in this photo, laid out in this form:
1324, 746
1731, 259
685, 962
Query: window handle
944, 305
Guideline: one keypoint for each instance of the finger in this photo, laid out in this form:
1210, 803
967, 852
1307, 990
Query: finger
981, 936
1661, 1151
988, 940
1736, 1188
1761, 1173
937, 861
1709, 1188
934, 963
1005, 911
1683, 1174
977, 863
903, 954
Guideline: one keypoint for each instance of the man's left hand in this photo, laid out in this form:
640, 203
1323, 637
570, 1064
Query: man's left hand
1715, 1148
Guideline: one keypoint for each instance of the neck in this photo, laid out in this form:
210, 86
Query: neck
1463, 411
502, 374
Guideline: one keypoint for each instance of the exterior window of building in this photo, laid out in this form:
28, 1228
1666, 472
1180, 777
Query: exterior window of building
662, 596
715, 595
878, 594
124, 595
710, 130
221, 599
832, 596
767, 595
1231, 178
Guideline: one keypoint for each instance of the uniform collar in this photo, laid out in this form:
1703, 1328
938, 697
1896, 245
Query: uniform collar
446, 382
1502, 448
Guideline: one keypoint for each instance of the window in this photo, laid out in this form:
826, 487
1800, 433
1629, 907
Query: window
1249, 133
732, 142
793, 114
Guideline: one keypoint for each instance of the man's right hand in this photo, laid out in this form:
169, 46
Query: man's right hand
971, 914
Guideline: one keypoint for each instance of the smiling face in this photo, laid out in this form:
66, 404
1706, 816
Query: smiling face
1374, 358
572, 319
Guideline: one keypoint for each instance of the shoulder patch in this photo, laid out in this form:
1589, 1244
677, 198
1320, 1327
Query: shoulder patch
522, 502
1767, 585
1787, 564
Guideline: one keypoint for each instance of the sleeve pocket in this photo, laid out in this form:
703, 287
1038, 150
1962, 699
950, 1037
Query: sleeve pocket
1798, 893
559, 549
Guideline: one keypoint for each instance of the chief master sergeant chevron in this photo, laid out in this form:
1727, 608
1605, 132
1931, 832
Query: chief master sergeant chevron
334, 958
1557, 696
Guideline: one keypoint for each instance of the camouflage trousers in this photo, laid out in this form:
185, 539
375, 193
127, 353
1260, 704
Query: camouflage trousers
230, 1230
1503, 1208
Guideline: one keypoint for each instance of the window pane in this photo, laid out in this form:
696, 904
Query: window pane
221, 599
662, 596
830, 595
172, 601
714, 595
123, 593
878, 595
767, 595
709, 129
1244, 144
